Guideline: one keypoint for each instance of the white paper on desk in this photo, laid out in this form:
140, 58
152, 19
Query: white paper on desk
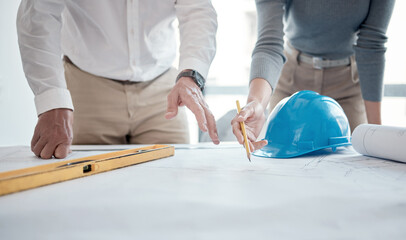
216, 193
380, 141
205, 145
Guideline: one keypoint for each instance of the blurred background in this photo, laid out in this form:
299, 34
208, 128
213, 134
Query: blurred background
228, 77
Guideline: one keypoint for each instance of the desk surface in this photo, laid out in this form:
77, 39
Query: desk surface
213, 192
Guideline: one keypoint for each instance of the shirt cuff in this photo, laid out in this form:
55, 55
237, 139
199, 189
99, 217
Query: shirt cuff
52, 99
194, 64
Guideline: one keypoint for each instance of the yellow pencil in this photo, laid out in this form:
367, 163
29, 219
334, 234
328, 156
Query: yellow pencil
244, 133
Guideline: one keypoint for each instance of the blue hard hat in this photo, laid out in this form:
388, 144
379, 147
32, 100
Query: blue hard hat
305, 122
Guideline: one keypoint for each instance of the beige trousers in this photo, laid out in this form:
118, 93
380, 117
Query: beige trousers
122, 112
340, 83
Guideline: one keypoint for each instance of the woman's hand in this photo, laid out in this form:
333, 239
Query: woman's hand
253, 113
253, 116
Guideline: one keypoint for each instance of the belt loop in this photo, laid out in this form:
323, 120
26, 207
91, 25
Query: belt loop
354, 70
293, 52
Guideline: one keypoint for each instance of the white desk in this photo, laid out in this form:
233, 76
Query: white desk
213, 194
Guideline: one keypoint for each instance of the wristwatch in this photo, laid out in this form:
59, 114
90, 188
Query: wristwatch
195, 75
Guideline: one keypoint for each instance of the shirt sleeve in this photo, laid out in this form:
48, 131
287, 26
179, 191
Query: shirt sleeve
38, 28
370, 49
267, 57
197, 27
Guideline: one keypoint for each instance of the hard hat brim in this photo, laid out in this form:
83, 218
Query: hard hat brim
270, 151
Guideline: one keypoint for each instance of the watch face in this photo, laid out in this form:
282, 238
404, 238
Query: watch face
197, 78
191, 74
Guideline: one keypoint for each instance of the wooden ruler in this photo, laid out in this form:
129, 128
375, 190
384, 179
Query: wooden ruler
27, 178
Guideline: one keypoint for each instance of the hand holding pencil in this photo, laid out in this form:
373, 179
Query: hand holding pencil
244, 133
250, 120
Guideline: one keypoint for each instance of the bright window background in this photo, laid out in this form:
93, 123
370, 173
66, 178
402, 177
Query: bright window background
394, 108
229, 72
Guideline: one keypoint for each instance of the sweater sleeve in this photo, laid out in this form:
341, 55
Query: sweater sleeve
370, 49
267, 57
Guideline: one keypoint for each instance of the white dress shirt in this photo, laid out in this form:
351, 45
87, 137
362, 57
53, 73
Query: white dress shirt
117, 39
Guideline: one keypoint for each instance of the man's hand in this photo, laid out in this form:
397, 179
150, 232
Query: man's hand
53, 134
253, 116
187, 93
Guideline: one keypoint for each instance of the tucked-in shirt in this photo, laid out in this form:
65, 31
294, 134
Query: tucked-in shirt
331, 29
117, 39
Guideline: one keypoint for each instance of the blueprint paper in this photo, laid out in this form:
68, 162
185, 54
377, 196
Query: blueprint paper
214, 193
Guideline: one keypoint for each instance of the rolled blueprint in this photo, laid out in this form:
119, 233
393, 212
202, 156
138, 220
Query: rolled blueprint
380, 141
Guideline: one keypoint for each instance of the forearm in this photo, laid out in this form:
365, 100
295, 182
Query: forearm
260, 91
373, 110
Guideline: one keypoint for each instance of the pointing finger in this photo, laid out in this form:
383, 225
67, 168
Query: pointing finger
198, 111
172, 108
237, 131
212, 128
